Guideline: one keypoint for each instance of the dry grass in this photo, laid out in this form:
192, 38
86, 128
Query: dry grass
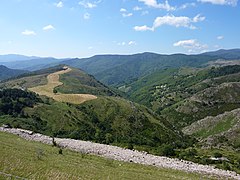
53, 81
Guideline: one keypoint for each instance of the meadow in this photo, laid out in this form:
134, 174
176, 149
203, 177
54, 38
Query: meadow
53, 82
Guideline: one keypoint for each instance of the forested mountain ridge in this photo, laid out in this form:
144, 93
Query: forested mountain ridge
6, 73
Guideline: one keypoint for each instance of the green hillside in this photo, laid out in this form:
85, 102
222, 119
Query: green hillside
222, 130
34, 160
111, 120
172, 99
116, 70
106, 120
30, 79
188, 94
79, 82
200, 101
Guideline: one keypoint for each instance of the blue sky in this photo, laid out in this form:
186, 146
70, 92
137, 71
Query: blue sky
82, 28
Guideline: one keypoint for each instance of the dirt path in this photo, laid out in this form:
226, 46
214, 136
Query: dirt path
53, 81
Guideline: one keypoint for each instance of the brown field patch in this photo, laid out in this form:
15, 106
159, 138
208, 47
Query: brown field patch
53, 81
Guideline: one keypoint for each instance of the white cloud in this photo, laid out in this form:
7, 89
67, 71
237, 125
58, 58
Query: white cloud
171, 20
121, 43
127, 14
187, 5
48, 27
221, 2
123, 10
192, 45
155, 4
220, 37
132, 43
89, 5
59, 4
86, 16
198, 18
28, 33
137, 8
143, 28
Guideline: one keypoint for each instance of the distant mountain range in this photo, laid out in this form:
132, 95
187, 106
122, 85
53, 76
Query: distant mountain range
6, 73
32, 64
117, 70
225, 54
15, 57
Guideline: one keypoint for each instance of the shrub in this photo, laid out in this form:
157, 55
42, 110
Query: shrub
217, 155
167, 150
60, 151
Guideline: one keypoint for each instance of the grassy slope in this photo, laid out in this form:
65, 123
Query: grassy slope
53, 82
222, 130
105, 120
79, 82
212, 91
34, 160
31, 79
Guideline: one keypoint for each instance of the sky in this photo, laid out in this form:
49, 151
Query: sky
83, 28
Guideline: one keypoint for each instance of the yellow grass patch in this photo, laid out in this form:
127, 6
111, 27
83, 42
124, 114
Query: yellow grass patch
53, 81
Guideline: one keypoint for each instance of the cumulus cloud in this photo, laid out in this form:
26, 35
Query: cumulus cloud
28, 33
132, 43
48, 27
125, 13
220, 37
198, 18
59, 4
88, 4
220, 2
143, 28
192, 45
123, 10
155, 4
171, 20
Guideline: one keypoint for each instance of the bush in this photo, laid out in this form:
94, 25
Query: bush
167, 150
217, 155
60, 151
226, 166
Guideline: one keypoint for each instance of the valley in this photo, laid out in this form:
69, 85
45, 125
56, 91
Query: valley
120, 90
188, 111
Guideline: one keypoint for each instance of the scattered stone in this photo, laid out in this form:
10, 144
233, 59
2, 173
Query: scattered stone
126, 155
